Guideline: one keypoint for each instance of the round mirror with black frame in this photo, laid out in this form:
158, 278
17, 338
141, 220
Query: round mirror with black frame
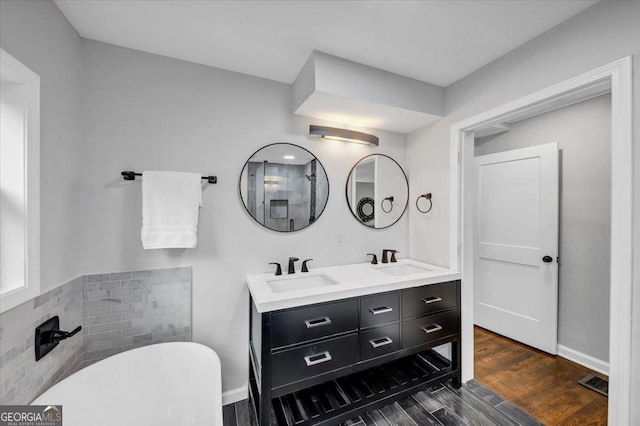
284, 187
377, 191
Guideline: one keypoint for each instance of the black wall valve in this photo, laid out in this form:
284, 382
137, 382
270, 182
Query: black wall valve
48, 335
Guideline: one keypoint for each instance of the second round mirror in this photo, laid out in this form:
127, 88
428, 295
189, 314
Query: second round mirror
377, 191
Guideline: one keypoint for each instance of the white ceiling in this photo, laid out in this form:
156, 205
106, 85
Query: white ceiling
438, 42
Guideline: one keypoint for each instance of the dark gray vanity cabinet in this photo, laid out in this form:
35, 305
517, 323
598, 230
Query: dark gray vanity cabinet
329, 362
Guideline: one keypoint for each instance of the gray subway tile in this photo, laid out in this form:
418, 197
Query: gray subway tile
132, 315
110, 285
95, 294
108, 352
91, 321
132, 299
110, 318
96, 312
143, 338
142, 274
132, 331
120, 276
121, 309
107, 335
121, 325
56, 292
88, 304
41, 299
90, 287
101, 328
111, 301
137, 283
119, 292
98, 278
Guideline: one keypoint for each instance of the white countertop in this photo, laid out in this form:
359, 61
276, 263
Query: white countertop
350, 281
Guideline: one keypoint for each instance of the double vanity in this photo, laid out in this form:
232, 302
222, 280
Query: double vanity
336, 342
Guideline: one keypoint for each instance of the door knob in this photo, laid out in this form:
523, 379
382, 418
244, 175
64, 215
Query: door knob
547, 259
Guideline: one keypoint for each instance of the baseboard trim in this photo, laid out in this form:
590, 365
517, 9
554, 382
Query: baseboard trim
234, 395
583, 359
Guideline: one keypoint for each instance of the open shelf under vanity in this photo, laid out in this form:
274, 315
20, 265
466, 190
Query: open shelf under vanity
325, 363
358, 393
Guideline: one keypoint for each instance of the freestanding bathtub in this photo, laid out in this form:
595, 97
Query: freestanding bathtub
172, 384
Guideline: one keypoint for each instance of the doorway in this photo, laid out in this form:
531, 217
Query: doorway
614, 78
542, 262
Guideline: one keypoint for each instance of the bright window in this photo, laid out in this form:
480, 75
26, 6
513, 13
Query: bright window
19, 182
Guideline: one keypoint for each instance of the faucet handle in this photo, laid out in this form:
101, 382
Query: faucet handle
393, 255
304, 265
374, 259
278, 268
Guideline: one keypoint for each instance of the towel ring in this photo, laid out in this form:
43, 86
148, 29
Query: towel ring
426, 196
366, 203
390, 200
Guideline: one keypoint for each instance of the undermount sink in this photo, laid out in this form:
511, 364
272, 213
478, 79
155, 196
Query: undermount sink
282, 285
402, 270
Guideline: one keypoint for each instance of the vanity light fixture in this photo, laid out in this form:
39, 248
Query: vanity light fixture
346, 135
289, 157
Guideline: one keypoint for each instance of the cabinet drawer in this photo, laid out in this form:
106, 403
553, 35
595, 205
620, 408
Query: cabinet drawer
300, 325
379, 309
429, 298
429, 328
379, 341
292, 365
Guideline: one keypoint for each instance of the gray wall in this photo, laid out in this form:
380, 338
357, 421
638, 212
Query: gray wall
127, 310
118, 311
583, 133
601, 34
146, 112
38, 35
22, 379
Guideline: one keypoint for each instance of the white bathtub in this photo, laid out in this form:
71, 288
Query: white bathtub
172, 384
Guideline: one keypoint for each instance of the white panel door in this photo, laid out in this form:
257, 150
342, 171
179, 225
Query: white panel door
516, 245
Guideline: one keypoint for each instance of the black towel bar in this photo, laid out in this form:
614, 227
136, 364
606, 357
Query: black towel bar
128, 175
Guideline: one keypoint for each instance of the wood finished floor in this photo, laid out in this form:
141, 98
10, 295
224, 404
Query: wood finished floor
470, 405
543, 385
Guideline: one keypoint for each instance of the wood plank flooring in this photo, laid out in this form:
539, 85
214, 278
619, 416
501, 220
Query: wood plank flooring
470, 405
512, 380
543, 385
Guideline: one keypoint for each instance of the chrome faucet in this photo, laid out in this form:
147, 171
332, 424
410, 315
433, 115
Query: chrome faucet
292, 266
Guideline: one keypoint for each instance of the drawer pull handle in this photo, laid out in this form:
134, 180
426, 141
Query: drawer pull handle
380, 310
317, 322
431, 328
382, 341
317, 358
432, 299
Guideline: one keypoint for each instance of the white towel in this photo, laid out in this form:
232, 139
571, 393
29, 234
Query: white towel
170, 203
